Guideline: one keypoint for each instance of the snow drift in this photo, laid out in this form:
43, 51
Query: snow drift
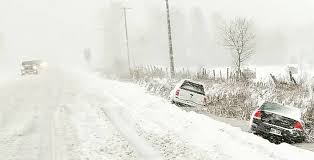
78, 115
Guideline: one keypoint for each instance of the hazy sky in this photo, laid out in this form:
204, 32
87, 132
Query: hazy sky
60, 30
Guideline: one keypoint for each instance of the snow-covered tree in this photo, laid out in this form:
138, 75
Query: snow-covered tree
238, 36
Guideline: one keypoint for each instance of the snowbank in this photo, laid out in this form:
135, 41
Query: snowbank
187, 135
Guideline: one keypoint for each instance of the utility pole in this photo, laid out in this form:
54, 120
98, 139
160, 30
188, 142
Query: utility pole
172, 73
127, 37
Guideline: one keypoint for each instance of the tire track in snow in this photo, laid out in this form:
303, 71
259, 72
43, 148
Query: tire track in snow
98, 137
117, 115
171, 145
180, 143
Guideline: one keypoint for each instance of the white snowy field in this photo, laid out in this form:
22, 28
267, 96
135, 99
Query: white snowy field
63, 115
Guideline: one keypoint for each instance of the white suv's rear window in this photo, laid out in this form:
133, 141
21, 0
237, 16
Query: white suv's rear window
193, 87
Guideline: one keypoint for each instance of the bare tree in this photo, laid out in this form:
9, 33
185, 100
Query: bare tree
240, 39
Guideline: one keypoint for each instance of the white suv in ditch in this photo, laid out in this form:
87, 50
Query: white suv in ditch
188, 92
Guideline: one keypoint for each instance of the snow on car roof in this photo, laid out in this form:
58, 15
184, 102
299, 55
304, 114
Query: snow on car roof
31, 62
196, 82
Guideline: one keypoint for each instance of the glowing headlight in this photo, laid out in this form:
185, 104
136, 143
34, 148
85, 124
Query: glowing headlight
44, 65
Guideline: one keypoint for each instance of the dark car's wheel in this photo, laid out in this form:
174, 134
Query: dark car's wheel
274, 139
254, 131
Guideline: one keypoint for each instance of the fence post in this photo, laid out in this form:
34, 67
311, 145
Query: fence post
227, 73
202, 73
214, 74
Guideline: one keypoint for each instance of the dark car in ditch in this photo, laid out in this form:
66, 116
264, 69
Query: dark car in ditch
279, 121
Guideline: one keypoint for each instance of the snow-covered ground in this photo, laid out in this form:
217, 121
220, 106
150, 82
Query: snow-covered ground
242, 124
63, 115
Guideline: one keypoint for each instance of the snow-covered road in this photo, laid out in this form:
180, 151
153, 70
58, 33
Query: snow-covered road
73, 115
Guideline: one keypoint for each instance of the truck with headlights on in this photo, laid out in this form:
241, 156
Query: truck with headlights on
31, 67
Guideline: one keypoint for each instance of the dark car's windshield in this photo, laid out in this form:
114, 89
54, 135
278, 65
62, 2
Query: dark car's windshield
193, 87
290, 112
